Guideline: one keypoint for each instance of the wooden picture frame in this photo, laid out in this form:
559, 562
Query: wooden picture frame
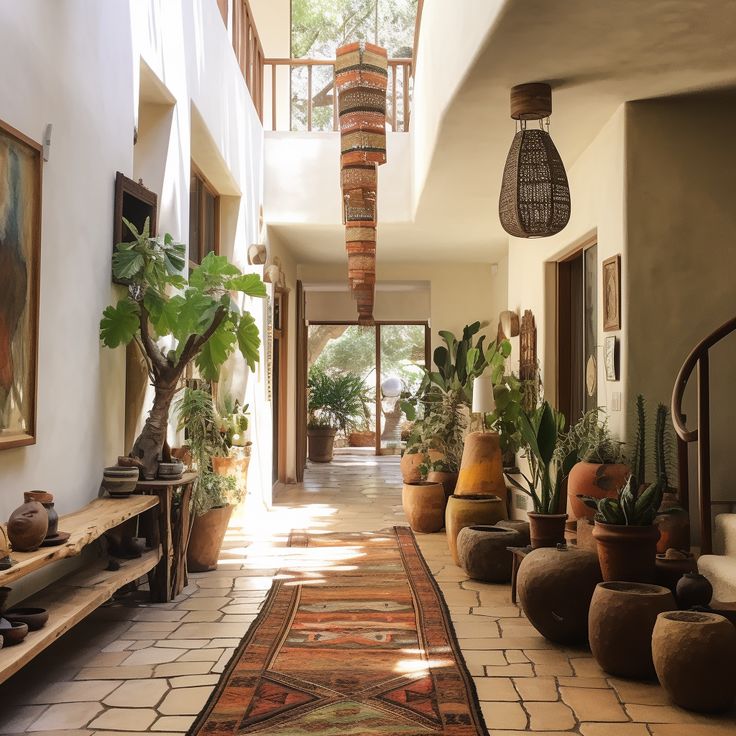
135, 203
611, 273
21, 174
611, 358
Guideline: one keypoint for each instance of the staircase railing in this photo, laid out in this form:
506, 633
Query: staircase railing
698, 358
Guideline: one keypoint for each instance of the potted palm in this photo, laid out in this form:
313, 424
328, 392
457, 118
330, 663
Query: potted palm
540, 431
215, 495
625, 532
601, 471
336, 403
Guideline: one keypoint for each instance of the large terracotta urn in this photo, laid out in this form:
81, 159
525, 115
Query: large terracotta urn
205, 540
424, 505
695, 658
555, 587
626, 612
27, 526
596, 480
483, 553
627, 553
481, 467
465, 511
409, 466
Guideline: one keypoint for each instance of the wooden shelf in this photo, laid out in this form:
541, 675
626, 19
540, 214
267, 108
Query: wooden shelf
69, 601
146, 485
85, 526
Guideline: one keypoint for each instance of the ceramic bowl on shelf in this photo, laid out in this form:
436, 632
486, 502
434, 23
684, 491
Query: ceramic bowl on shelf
15, 634
170, 471
119, 481
36, 618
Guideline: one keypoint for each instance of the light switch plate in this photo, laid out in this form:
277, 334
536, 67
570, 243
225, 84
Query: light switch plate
615, 401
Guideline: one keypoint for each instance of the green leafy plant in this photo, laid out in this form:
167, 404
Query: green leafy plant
198, 418
234, 423
540, 432
336, 401
198, 315
591, 439
632, 507
663, 447
508, 395
639, 459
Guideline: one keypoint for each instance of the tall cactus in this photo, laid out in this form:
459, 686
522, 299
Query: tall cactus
639, 463
660, 460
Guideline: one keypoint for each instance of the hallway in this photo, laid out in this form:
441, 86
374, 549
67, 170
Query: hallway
134, 667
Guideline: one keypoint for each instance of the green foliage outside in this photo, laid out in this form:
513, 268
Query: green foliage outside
340, 401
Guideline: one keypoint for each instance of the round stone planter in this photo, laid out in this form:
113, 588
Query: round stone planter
522, 527
546, 530
465, 511
424, 506
555, 587
481, 467
695, 658
482, 552
626, 612
627, 553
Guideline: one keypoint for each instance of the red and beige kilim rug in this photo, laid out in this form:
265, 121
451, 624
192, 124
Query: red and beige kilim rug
364, 647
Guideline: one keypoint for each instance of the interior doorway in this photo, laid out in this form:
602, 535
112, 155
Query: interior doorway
577, 332
279, 375
388, 357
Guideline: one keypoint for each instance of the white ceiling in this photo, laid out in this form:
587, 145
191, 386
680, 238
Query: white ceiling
597, 54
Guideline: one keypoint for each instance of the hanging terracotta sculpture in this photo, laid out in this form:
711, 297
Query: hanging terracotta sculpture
361, 78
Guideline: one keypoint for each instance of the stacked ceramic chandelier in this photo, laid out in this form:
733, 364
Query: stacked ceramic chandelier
535, 196
361, 78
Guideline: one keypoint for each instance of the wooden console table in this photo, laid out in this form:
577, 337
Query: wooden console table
72, 598
169, 577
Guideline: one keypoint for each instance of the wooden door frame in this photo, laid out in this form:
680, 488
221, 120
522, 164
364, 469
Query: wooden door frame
282, 335
301, 382
377, 324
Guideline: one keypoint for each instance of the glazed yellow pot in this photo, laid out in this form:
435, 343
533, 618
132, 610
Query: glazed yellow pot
481, 468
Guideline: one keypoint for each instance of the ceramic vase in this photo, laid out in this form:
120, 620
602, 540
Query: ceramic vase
27, 527
462, 511
555, 587
47, 501
424, 505
693, 589
409, 466
626, 612
483, 552
695, 658
481, 467
597, 480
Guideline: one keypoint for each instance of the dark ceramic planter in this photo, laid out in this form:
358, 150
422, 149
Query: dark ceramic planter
693, 589
627, 553
546, 530
321, 444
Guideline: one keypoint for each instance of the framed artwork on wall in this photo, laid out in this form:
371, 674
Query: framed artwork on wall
612, 294
20, 260
611, 358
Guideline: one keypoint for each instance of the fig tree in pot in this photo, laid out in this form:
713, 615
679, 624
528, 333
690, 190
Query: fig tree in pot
197, 317
215, 495
540, 432
336, 403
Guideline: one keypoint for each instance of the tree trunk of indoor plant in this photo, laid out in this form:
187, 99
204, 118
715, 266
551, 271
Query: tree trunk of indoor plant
153, 435
205, 540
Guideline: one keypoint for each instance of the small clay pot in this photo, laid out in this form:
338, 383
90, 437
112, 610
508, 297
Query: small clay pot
546, 530
15, 634
626, 612
424, 505
27, 526
693, 589
668, 571
171, 471
120, 481
517, 525
462, 511
695, 658
483, 553
555, 587
36, 618
448, 480
627, 553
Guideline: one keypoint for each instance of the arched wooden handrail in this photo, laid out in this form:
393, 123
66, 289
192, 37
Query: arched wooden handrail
698, 357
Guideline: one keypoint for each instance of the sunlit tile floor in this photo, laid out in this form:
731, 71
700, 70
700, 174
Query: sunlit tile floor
133, 667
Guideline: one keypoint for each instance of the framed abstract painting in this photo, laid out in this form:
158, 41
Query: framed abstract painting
612, 294
20, 251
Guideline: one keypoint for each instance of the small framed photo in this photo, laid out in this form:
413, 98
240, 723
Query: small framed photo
611, 358
612, 294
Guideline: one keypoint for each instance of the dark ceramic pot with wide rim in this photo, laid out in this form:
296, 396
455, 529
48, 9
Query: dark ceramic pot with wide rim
546, 530
627, 553
693, 589
626, 612
321, 443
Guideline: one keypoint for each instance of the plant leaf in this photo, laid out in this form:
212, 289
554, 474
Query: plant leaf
212, 272
126, 263
247, 283
119, 324
215, 351
248, 339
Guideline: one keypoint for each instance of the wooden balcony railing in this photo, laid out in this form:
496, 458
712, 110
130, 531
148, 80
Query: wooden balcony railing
318, 93
248, 51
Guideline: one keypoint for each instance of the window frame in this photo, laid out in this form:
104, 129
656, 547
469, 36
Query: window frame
203, 186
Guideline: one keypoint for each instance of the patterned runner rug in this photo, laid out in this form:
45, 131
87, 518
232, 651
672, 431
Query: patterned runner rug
362, 646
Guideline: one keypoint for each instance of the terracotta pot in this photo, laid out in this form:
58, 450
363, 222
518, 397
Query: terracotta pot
362, 439
620, 625
465, 511
546, 530
627, 553
409, 466
321, 443
597, 480
448, 480
184, 454
205, 541
674, 528
669, 571
424, 505
693, 589
483, 553
584, 535
27, 527
47, 501
517, 525
555, 587
481, 468
695, 658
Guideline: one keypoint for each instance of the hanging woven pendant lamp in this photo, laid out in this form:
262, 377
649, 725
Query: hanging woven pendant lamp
535, 196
